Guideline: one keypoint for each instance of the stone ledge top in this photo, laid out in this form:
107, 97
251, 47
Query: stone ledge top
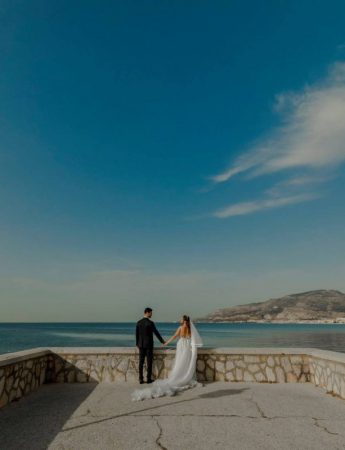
12, 358
170, 350
327, 354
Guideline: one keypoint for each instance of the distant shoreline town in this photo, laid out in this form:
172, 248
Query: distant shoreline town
339, 321
318, 307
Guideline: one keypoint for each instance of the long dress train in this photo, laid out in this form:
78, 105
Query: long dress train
181, 377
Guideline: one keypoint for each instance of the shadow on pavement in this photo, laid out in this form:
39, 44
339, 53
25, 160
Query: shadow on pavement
33, 422
152, 408
222, 393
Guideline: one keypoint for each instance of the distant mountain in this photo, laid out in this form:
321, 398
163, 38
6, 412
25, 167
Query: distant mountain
311, 306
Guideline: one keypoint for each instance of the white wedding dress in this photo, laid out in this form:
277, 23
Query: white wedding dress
182, 375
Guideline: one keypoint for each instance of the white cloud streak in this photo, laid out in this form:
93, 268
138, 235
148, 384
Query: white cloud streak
240, 209
310, 139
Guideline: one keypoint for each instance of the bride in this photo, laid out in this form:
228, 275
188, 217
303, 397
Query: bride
182, 375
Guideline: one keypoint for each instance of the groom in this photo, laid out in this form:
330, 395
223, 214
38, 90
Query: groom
144, 341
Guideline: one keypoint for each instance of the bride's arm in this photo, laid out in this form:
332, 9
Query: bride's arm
172, 337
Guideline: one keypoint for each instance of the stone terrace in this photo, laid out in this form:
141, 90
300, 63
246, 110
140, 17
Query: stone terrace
220, 415
79, 398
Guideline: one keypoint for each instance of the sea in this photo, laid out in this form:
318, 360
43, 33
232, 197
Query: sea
21, 336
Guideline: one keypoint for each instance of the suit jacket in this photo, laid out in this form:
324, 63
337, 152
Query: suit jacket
144, 333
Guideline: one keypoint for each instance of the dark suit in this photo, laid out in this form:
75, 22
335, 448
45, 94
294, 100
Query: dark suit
144, 340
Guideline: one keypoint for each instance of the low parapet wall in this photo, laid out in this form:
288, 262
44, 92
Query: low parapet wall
327, 370
216, 364
23, 372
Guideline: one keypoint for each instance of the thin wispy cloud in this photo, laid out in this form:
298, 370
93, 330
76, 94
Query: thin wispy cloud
306, 148
295, 184
249, 207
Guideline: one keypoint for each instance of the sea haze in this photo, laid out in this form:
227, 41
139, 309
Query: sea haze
20, 336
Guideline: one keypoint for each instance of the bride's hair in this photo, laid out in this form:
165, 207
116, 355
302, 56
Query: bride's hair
187, 320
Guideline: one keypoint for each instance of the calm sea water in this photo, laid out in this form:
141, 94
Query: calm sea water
20, 336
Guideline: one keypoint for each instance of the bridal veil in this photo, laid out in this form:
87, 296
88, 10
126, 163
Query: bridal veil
183, 373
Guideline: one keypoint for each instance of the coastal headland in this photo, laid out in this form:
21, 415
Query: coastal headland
318, 306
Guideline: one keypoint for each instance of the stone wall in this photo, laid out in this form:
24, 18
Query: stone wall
121, 364
23, 372
263, 368
104, 364
327, 370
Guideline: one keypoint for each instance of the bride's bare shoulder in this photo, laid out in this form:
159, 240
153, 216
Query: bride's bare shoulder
178, 331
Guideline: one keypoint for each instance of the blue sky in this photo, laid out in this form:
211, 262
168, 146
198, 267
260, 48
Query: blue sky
183, 155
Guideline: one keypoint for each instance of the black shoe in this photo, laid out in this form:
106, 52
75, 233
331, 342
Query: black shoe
149, 381
141, 381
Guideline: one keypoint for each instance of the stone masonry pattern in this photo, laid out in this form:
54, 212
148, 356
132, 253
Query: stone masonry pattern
329, 375
259, 368
23, 376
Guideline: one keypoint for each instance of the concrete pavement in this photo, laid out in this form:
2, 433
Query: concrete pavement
219, 415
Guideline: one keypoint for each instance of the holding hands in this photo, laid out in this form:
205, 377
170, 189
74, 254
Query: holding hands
165, 343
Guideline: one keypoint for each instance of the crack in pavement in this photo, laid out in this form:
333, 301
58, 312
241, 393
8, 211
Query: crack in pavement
154, 418
316, 423
207, 415
262, 414
194, 415
94, 406
126, 414
220, 415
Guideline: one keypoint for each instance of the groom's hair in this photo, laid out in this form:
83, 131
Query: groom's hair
147, 310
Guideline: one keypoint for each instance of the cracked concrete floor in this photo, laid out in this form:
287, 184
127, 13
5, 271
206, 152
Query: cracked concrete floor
218, 415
